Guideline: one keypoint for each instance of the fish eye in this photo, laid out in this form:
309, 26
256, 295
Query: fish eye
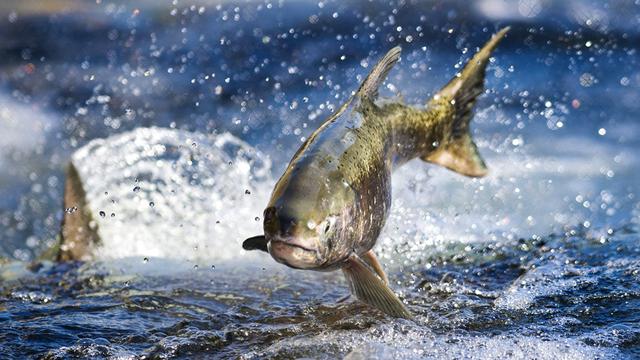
269, 214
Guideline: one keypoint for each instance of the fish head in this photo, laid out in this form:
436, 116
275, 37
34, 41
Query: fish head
309, 232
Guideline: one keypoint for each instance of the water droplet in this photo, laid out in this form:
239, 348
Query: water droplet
152, 204
624, 81
195, 267
145, 260
102, 214
587, 79
136, 189
575, 103
113, 214
257, 218
213, 267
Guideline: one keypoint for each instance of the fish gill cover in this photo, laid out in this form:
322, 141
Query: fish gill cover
538, 259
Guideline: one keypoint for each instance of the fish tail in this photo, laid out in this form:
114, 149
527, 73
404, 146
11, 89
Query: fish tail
458, 152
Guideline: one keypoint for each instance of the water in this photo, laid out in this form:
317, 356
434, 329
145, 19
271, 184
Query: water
567, 296
539, 259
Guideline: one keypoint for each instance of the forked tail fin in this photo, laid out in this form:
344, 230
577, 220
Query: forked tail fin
458, 152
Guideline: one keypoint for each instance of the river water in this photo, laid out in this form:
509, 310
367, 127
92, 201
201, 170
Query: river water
540, 259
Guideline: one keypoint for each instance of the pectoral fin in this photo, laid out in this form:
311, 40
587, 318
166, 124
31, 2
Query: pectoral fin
372, 260
256, 243
367, 287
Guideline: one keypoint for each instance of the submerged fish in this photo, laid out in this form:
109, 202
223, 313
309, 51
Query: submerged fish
331, 203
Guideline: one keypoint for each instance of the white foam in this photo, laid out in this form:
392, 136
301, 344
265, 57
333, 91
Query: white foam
391, 341
529, 191
174, 194
545, 279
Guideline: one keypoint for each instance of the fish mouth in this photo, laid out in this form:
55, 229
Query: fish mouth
292, 244
294, 254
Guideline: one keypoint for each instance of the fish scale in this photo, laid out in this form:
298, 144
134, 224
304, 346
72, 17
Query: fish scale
330, 205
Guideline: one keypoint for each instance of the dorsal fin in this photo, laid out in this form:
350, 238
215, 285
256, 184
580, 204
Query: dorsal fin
369, 87
376, 77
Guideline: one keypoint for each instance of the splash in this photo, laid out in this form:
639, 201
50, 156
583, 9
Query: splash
157, 192
531, 191
169, 193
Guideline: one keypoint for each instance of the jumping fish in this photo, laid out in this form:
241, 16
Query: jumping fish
331, 203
